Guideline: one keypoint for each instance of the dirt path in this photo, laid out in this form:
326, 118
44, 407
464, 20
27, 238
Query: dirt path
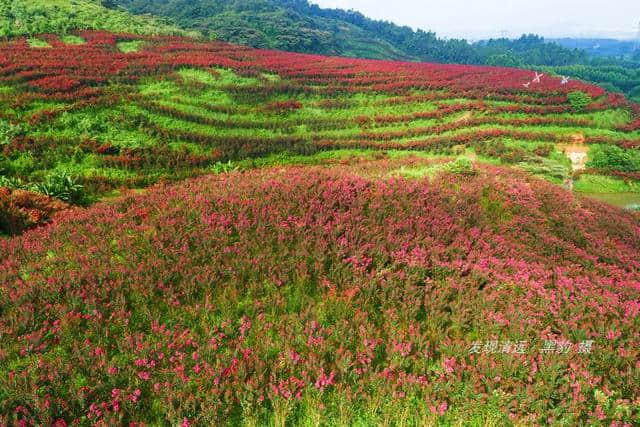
465, 117
576, 151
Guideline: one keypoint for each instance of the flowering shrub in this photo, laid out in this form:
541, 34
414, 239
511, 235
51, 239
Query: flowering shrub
55, 84
635, 125
294, 294
22, 209
283, 106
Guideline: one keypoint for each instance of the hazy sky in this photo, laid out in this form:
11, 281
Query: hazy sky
491, 18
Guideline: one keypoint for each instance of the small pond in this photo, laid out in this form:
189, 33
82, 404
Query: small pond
623, 200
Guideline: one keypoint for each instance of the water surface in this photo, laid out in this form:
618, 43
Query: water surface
623, 200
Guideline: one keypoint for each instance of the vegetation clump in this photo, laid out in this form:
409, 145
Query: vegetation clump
461, 166
23, 209
579, 100
612, 158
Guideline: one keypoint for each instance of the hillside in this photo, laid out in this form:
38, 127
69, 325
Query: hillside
297, 25
194, 232
107, 111
301, 27
343, 294
33, 17
291, 25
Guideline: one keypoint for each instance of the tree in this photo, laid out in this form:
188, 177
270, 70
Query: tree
504, 60
579, 100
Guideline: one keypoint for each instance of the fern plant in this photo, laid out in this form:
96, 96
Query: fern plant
8, 131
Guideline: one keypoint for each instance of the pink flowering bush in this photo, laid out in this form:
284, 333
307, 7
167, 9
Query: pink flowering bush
339, 294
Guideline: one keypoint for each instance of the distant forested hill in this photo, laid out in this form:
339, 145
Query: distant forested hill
296, 25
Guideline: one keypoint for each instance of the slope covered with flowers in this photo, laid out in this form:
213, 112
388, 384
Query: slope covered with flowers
343, 294
118, 110
97, 60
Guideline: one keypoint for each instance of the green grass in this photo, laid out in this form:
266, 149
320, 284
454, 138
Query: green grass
130, 46
549, 169
72, 39
284, 159
604, 184
418, 172
204, 76
610, 118
37, 43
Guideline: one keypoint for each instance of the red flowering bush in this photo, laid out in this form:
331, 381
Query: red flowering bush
55, 83
334, 294
283, 106
21, 210
635, 125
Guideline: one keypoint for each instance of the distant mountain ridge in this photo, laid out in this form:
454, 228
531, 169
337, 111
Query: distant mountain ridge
601, 47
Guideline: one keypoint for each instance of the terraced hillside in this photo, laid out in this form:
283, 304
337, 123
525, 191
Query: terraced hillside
102, 111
